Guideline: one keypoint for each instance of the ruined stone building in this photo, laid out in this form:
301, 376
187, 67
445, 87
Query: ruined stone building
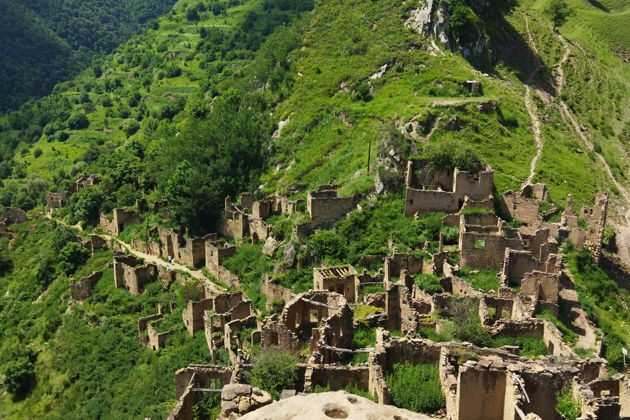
443, 190
133, 274
342, 279
148, 331
57, 200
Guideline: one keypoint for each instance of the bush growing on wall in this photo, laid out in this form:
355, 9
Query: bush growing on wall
416, 387
274, 371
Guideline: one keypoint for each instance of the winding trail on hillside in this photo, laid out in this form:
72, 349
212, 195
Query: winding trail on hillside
197, 274
568, 114
532, 110
623, 230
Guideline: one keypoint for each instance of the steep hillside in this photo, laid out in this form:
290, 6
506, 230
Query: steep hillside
279, 97
44, 42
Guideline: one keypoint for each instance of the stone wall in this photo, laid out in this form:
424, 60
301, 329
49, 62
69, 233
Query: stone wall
517, 263
82, 289
325, 205
130, 273
434, 193
342, 279
216, 251
336, 377
396, 263
480, 392
484, 250
274, 291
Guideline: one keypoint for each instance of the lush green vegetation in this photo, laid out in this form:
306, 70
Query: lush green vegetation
274, 371
605, 302
45, 42
416, 387
484, 280
530, 347
364, 337
569, 335
250, 264
83, 360
567, 405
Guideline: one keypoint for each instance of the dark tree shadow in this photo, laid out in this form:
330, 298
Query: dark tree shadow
599, 5
509, 48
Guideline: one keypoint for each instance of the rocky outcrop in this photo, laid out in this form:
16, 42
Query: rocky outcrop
336, 405
240, 399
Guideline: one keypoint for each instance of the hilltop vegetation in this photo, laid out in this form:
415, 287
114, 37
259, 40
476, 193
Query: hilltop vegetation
43, 42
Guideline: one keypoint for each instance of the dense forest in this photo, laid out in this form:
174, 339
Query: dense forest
43, 42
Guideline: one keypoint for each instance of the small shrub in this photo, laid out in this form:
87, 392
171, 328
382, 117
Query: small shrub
567, 406
78, 122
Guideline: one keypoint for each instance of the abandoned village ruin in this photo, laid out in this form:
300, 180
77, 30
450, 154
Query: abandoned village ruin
318, 326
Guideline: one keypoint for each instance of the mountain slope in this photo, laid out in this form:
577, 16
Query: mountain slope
44, 42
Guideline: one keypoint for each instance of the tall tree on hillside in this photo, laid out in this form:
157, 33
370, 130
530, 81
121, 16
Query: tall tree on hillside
558, 11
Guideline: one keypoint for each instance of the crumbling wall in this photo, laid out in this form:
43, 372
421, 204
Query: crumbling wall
546, 286
156, 340
337, 377
130, 273
517, 263
414, 351
480, 392
193, 314
216, 251
432, 193
193, 253
275, 334
396, 263
325, 205
342, 279
274, 291
485, 251
12, 216
82, 289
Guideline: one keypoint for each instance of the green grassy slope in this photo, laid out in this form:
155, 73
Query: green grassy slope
330, 129
89, 362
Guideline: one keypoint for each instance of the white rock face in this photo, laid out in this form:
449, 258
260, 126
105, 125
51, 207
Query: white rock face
281, 125
330, 405
420, 18
429, 22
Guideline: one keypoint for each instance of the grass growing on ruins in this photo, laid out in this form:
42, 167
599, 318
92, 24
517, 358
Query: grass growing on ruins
567, 405
364, 337
605, 302
250, 264
274, 370
569, 335
361, 312
416, 387
530, 347
428, 283
484, 280
97, 261
298, 281
368, 231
